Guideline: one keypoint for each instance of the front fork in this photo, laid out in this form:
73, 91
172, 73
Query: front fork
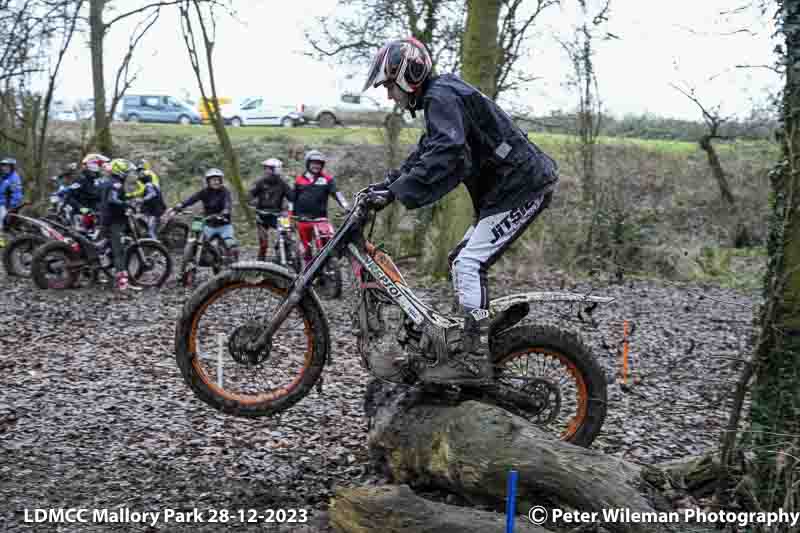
198, 251
134, 230
190, 260
282, 248
296, 292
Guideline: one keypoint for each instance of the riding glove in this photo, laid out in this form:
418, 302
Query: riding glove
380, 197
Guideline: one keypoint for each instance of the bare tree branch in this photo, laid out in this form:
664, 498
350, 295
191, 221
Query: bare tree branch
156, 5
122, 71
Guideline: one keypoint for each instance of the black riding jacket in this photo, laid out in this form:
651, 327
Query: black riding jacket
84, 191
215, 202
113, 203
469, 139
270, 192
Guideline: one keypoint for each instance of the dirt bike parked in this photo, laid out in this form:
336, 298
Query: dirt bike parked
285, 252
253, 341
31, 233
72, 256
328, 283
200, 251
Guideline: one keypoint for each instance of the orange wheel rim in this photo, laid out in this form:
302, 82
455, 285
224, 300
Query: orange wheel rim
582, 391
246, 399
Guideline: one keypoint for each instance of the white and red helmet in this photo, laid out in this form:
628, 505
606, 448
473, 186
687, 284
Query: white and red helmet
405, 62
94, 162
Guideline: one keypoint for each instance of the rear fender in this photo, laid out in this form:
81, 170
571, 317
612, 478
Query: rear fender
523, 301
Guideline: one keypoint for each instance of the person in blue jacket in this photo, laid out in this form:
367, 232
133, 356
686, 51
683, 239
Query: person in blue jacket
11, 193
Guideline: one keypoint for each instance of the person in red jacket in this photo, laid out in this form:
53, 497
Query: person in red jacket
309, 199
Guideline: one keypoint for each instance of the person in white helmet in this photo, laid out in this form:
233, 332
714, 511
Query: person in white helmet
271, 193
468, 139
217, 207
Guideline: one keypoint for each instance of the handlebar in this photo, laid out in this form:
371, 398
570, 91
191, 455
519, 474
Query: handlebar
310, 219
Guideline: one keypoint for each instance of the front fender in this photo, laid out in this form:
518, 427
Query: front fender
263, 266
150, 241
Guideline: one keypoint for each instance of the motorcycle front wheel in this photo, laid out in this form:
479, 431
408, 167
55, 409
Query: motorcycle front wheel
211, 344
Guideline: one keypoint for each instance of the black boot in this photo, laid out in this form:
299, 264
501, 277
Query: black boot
472, 363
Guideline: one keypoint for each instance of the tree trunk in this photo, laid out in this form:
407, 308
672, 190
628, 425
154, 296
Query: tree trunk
97, 32
716, 169
775, 408
232, 170
396, 509
453, 214
469, 449
587, 127
479, 60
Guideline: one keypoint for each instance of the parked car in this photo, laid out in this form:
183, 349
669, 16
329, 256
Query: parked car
259, 111
352, 109
157, 108
65, 115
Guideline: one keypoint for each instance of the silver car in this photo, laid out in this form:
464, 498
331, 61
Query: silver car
354, 109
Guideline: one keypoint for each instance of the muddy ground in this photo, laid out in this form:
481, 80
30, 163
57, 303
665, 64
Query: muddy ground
95, 415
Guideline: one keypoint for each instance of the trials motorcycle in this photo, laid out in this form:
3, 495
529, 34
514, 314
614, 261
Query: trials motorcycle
254, 340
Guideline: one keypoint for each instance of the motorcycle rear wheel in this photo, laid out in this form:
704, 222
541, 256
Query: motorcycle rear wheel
18, 254
559, 368
53, 266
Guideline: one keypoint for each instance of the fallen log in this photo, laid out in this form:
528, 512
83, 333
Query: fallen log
697, 476
396, 509
469, 448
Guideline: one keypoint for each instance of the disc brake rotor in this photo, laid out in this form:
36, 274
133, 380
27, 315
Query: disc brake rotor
242, 337
546, 395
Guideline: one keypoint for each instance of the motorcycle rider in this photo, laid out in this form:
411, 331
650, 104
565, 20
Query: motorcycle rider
63, 182
84, 193
11, 193
65, 179
143, 168
216, 200
309, 198
269, 193
114, 210
468, 139
153, 205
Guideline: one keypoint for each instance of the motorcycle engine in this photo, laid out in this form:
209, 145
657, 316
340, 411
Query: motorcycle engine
384, 334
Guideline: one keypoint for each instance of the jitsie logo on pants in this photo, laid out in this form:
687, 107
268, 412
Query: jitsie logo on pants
512, 219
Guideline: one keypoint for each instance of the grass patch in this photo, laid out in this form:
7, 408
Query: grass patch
372, 135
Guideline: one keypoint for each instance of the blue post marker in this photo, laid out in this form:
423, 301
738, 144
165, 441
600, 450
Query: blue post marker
511, 501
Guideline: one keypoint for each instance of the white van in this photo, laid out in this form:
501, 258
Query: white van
259, 111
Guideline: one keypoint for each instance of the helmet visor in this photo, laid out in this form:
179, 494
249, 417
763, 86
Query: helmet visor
377, 71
